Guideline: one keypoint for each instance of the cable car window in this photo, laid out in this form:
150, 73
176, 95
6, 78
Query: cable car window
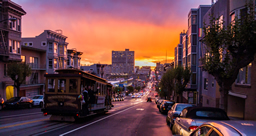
51, 85
62, 85
73, 85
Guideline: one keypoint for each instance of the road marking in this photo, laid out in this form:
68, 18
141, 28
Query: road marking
20, 115
47, 131
15, 125
95, 121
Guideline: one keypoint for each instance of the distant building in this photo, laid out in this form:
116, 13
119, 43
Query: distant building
74, 59
96, 69
178, 54
123, 62
10, 43
107, 72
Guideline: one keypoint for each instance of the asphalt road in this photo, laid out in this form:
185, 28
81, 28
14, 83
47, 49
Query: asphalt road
127, 118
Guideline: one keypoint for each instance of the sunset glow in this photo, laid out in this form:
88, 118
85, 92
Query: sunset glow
96, 27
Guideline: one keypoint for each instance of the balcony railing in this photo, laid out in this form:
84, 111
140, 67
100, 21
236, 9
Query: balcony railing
37, 66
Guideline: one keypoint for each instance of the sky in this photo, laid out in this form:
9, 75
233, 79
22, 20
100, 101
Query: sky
151, 28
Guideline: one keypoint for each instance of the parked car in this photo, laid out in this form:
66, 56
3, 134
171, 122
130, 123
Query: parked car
226, 128
1, 103
133, 96
18, 102
156, 99
158, 103
165, 106
192, 117
38, 100
175, 111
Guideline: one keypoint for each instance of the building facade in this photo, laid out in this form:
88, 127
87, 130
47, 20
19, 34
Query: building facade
96, 69
191, 49
123, 62
10, 43
178, 54
74, 59
56, 48
35, 83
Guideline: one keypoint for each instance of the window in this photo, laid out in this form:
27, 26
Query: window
194, 39
73, 85
55, 47
61, 50
10, 45
244, 75
193, 19
193, 78
51, 85
193, 59
50, 63
62, 85
34, 78
18, 24
55, 63
31, 59
5, 69
194, 28
206, 83
189, 22
23, 58
60, 63
65, 50
50, 47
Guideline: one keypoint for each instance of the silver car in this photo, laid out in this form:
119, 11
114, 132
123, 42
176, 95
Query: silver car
38, 100
192, 117
226, 128
174, 112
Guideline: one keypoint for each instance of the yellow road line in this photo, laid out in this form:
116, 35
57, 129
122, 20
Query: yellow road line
15, 125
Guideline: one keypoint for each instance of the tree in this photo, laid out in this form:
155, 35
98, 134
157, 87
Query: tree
138, 88
167, 82
118, 89
18, 72
182, 77
130, 89
229, 48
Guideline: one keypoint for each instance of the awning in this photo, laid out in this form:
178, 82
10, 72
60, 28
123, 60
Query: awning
237, 95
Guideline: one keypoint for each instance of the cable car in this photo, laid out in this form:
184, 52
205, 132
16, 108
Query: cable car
63, 95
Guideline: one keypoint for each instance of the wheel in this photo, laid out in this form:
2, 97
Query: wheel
41, 104
30, 106
1, 107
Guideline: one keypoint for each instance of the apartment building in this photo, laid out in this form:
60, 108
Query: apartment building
96, 69
35, 57
210, 95
74, 58
178, 53
123, 62
242, 96
54, 42
10, 43
191, 51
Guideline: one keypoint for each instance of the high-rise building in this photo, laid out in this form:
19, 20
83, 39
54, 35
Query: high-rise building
123, 62
179, 51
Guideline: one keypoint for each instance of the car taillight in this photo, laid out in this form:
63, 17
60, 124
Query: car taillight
45, 114
192, 128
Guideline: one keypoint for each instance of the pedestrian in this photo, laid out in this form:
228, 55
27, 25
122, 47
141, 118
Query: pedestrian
86, 100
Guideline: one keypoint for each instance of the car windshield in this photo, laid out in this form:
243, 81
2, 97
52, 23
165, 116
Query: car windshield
211, 114
181, 107
38, 97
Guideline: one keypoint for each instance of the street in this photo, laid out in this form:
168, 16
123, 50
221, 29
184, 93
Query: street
127, 118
